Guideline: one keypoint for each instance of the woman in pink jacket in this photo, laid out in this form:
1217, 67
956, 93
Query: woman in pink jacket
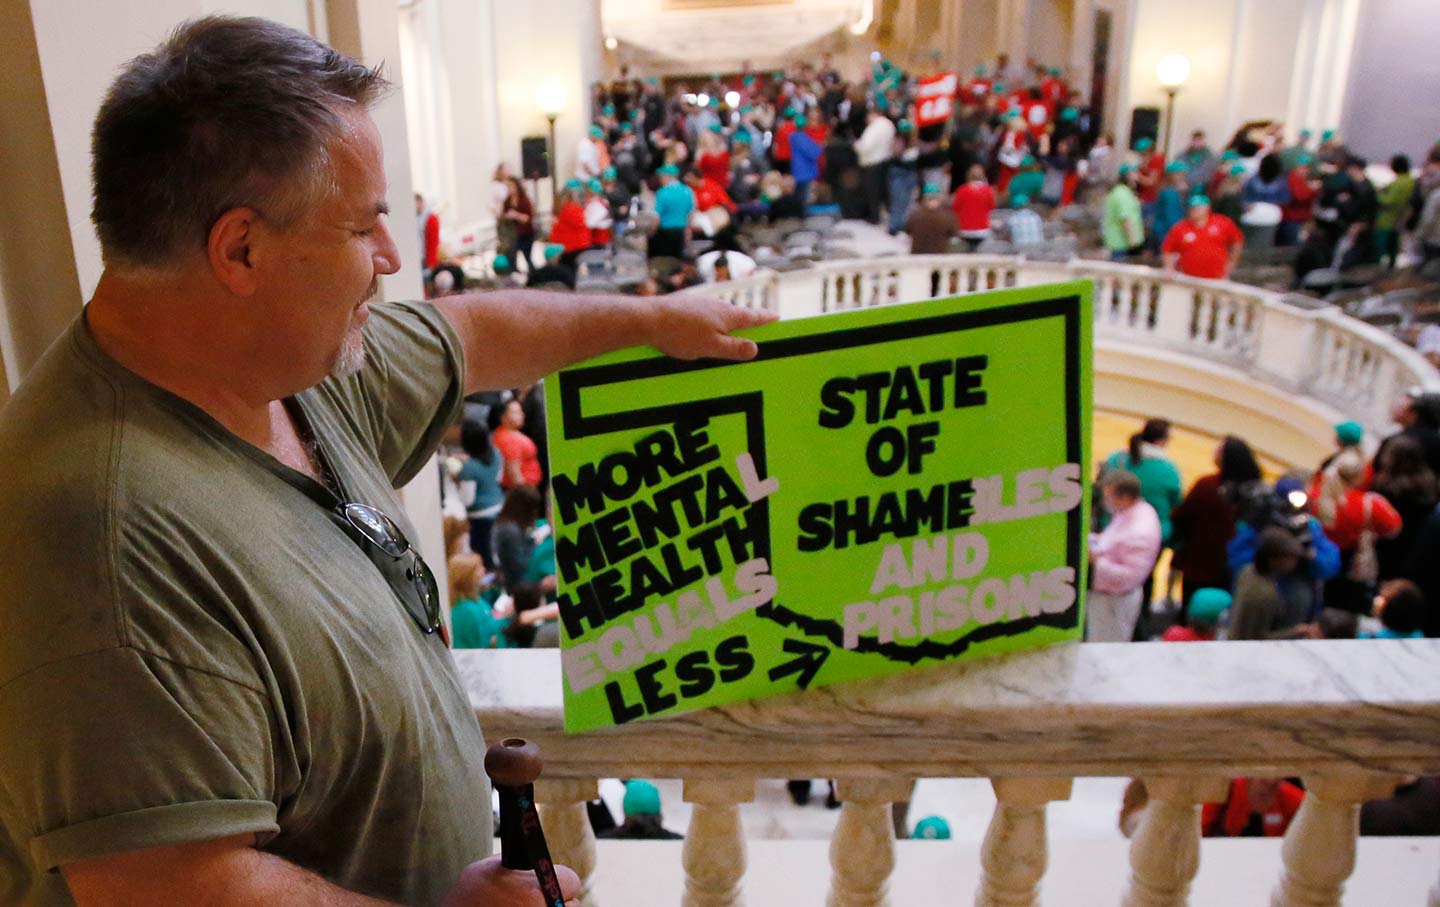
1121, 558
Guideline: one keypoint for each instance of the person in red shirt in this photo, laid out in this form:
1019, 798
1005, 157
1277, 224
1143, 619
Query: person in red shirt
570, 229
1304, 189
972, 204
780, 148
429, 233
1152, 173
1204, 244
1054, 90
1037, 113
522, 457
1255, 808
1014, 147
714, 158
977, 89
1347, 512
817, 130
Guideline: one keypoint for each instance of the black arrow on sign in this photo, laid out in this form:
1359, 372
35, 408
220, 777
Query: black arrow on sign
812, 656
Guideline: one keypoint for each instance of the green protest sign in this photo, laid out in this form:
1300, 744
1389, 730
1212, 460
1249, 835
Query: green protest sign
879, 489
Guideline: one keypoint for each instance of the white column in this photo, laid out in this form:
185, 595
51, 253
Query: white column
1014, 30
714, 851
566, 821
1014, 853
952, 15
1319, 850
1298, 114
1239, 36
862, 851
1165, 854
1082, 47
39, 283
369, 31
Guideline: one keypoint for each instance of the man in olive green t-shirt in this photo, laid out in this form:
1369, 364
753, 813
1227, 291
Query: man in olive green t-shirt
221, 680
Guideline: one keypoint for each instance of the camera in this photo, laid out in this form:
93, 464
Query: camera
1262, 507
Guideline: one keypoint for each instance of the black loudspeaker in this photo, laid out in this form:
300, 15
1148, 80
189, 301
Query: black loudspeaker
1145, 124
534, 161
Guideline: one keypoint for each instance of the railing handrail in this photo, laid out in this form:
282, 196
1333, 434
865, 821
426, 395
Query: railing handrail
1340, 362
1203, 709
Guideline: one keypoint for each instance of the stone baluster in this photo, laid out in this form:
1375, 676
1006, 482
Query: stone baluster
714, 852
1165, 853
567, 827
1319, 850
1013, 857
862, 852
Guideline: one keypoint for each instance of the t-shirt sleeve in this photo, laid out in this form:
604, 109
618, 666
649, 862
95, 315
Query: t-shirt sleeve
190, 757
412, 385
1385, 520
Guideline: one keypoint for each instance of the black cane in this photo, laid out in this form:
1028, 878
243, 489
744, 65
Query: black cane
513, 765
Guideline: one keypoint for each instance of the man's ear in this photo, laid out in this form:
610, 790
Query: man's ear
230, 250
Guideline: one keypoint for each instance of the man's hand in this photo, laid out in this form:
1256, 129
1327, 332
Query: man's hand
700, 329
488, 884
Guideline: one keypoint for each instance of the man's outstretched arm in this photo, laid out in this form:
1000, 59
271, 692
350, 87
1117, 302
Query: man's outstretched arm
230, 872
515, 337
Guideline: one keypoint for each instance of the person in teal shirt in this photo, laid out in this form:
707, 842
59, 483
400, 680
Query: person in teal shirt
1170, 203
472, 620
1027, 183
674, 203
1159, 479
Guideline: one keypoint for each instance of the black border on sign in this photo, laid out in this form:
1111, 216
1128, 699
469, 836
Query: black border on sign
574, 424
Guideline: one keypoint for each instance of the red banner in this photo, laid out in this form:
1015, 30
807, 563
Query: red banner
935, 99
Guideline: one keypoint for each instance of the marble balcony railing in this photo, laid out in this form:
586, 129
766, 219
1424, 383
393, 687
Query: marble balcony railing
1350, 718
1321, 353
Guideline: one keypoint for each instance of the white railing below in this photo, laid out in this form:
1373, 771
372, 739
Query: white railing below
1320, 353
1350, 718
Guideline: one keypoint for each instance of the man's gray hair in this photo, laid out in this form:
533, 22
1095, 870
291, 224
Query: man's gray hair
227, 113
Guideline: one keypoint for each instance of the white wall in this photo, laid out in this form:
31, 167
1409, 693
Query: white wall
1393, 103
82, 44
472, 68
1268, 44
1050, 27
1202, 31
723, 37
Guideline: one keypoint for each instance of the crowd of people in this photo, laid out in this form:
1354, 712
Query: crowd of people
1340, 553
702, 161
1347, 550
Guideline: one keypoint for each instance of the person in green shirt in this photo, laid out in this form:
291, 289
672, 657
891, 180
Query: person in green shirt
1394, 204
223, 674
1123, 225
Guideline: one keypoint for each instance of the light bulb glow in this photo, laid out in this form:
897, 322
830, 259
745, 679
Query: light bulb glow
550, 97
732, 98
611, 43
1173, 70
